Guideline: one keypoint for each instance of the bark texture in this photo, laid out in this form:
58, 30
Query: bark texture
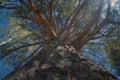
60, 62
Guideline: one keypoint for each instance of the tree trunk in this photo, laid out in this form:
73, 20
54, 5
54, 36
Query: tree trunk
60, 62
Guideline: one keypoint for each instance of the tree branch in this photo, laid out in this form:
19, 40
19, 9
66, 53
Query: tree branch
105, 36
82, 35
17, 48
27, 59
114, 22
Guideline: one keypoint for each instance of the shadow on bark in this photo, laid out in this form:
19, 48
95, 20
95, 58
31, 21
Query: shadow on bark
61, 62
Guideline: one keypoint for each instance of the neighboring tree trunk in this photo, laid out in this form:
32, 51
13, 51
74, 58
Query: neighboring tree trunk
60, 62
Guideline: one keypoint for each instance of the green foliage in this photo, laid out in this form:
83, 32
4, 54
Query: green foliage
112, 46
16, 36
113, 51
115, 56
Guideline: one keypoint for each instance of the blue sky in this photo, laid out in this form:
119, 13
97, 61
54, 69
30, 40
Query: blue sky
3, 17
3, 69
3, 24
